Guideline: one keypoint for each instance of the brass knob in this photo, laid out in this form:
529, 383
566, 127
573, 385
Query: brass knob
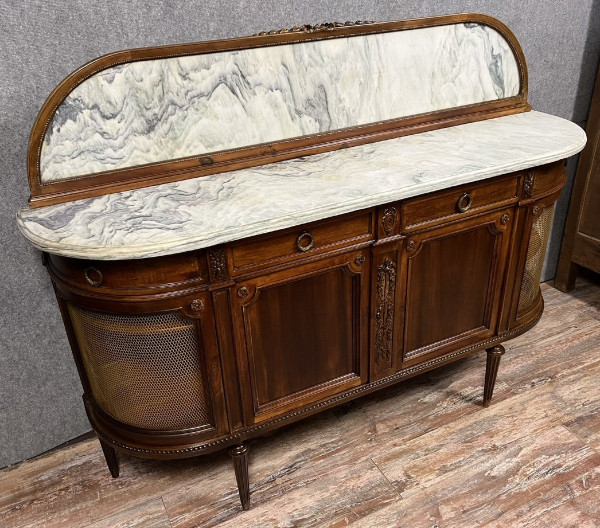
243, 292
93, 281
305, 247
464, 203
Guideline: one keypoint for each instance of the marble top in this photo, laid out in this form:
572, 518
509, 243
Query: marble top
159, 110
202, 212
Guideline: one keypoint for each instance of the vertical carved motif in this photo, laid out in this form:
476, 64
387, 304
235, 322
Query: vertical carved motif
217, 263
528, 184
384, 316
388, 220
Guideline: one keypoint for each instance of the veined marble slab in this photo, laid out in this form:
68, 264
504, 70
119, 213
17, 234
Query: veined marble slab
158, 110
201, 212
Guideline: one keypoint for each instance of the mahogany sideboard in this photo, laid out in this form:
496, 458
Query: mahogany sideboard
246, 232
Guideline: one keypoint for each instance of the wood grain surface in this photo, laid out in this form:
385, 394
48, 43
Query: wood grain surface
406, 456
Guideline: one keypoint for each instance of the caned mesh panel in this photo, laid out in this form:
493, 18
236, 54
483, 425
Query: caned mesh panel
144, 370
540, 231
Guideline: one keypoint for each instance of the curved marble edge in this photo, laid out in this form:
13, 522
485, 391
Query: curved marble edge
203, 212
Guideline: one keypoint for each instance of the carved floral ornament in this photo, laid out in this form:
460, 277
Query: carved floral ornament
197, 305
218, 263
308, 28
384, 316
528, 183
388, 220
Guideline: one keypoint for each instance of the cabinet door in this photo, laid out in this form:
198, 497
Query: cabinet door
454, 278
156, 372
301, 334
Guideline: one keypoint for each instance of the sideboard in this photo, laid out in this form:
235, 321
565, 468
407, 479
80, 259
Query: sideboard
243, 233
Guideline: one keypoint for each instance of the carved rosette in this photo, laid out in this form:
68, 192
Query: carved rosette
384, 316
217, 262
388, 220
197, 305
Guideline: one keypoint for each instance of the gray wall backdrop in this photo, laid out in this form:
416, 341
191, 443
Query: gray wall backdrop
42, 41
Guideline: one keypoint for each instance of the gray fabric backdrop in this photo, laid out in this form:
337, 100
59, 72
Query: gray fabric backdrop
42, 41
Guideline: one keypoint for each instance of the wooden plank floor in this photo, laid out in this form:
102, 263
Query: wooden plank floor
421, 454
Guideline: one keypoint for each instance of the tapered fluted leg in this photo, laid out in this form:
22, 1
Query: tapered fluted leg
239, 455
112, 461
491, 370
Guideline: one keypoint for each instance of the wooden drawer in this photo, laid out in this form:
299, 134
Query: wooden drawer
437, 208
544, 180
130, 277
302, 241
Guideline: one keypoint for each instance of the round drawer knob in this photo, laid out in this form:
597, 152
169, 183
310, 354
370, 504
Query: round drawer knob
305, 241
93, 276
464, 203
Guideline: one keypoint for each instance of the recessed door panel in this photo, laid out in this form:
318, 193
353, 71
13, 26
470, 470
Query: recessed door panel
453, 274
302, 336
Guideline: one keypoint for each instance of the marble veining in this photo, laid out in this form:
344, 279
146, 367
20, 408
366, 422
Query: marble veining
158, 110
205, 211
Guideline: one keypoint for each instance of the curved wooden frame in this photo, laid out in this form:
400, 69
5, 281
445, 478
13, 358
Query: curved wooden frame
97, 184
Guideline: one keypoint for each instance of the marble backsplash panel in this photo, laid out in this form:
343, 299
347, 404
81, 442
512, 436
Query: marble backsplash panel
158, 110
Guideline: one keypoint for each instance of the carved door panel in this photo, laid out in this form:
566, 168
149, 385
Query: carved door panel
454, 279
301, 334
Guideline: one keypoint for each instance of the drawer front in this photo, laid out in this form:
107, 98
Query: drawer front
127, 277
460, 202
544, 180
302, 241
